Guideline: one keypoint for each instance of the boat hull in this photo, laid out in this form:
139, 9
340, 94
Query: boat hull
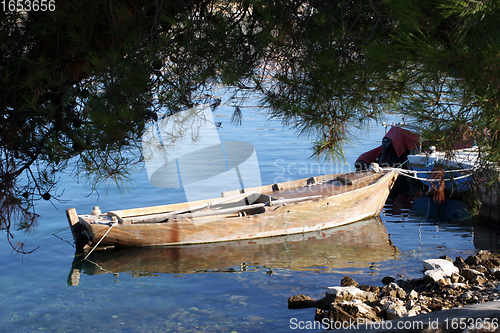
354, 245
429, 169
339, 205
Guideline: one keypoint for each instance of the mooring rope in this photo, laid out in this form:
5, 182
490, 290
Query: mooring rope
111, 227
413, 173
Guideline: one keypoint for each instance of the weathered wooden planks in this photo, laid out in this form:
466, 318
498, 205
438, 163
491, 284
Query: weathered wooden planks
300, 208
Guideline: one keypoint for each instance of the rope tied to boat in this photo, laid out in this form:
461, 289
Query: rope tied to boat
414, 173
112, 224
375, 168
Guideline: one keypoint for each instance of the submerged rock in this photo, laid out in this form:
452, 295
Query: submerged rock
347, 281
301, 302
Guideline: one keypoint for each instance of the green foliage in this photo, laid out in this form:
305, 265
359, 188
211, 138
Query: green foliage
77, 85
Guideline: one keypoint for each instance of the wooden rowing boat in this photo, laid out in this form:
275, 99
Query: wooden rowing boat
292, 207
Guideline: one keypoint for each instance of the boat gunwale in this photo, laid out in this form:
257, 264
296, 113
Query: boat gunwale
252, 190
374, 182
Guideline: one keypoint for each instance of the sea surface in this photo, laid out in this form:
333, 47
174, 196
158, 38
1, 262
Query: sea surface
228, 287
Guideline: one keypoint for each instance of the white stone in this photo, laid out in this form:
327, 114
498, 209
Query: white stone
359, 309
446, 266
411, 313
349, 293
354, 301
458, 285
393, 285
413, 295
435, 274
395, 312
363, 308
390, 302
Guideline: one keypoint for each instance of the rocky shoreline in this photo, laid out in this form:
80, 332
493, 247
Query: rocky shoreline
446, 284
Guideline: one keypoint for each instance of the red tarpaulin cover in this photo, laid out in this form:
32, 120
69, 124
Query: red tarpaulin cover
371, 155
402, 139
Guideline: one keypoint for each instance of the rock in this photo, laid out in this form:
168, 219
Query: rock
425, 299
351, 312
365, 287
347, 281
373, 289
398, 293
446, 258
446, 266
458, 285
412, 295
387, 280
495, 262
319, 314
457, 278
460, 263
444, 282
467, 295
472, 261
478, 279
357, 309
393, 285
484, 255
491, 263
396, 312
480, 268
337, 294
389, 287
337, 313
435, 275
301, 302
393, 307
495, 272
470, 273
414, 311
393, 290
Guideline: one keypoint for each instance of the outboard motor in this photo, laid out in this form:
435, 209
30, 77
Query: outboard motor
389, 157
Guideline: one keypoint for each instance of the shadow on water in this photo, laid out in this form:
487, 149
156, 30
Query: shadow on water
408, 200
355, 245
487, 237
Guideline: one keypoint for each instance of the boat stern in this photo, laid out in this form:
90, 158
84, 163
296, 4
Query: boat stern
77, 229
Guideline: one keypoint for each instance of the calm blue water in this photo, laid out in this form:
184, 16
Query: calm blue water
226, 288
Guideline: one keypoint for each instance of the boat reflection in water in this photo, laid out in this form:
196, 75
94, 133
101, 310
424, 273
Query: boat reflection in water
354, 245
